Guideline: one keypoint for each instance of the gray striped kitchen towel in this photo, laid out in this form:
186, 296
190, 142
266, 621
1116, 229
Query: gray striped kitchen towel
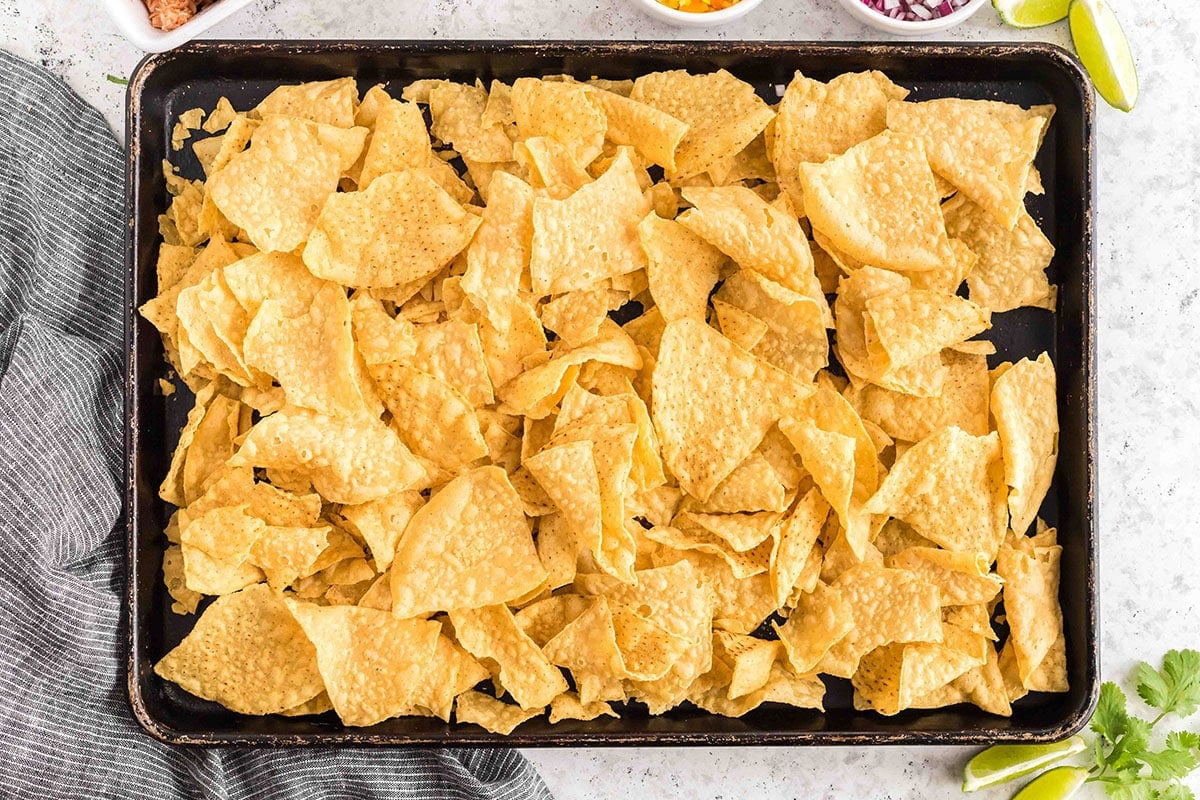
66, 730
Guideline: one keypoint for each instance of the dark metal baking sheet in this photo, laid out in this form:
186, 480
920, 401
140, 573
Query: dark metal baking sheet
198, 74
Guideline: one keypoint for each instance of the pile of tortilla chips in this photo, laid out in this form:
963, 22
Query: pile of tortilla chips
534, 383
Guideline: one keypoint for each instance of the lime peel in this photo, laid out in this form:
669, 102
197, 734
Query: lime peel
1031, 13
1104, 50
1004, 762
1056, 784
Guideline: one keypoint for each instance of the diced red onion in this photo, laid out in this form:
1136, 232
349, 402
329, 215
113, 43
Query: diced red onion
914, 10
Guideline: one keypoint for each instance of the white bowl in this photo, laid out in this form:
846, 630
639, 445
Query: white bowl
693, 19
133, 19
865, 13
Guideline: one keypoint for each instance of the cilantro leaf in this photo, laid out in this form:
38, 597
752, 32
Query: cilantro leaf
1169, 764
1127, 786
1110, 718
1176, 687
1174, 791
1183, 740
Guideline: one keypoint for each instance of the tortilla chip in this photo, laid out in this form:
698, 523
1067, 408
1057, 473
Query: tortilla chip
491, 714
877, 202
247, 653
1025, 406
276, 189
560, 111
962, 579
756, 235
590, 235
1031, 604
327, 102
469, 546
723, 114
681, 267
706, 432
795, 340
984, 147
402, 228
655, 135
348, 460
950, 488
369, 661
492, 633
817, 120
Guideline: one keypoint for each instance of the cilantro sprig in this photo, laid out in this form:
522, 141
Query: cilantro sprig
1123, 757
1127, 765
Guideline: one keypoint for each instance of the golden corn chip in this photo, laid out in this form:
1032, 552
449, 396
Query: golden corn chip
450, 672
542, 620
576, 316
795, 339
817, 120
469, 546
963, 402
950, 489
567, 706
188, 121
612, 454
877, 202
453, 352
317, 705
247, 653
369, 661
432, 418
491, 714
506, 353
457, 112
381, 522
891, 677
963, 579
311, 355
348, 460
678, 598
275, 190
752, 486
588, 647
402, 228
570, 477
1051, 674
750, 164
591, 235
1011, 268
982, 686
794, 541
492, 633
713, 403
287, 554
536, 391
654, 134
740, 604
689, 536
984, 147
399, 141
1031, 604
889, 606
909, 326
560, 111
211, 446
756, 235
558, 549
681, 267
173, 263
740, 532
743, 329
1025, 406
821, 618
750, 659
782, 686
184, 599
220, 118
723, 114
327, 102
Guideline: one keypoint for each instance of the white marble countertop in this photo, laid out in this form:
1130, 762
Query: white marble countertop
1148, 279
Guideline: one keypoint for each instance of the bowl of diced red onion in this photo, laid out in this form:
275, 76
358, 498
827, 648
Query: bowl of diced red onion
913, 17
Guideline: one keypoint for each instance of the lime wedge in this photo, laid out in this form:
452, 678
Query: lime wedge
1056, 784
1104, 51
1031, 13
1007, 761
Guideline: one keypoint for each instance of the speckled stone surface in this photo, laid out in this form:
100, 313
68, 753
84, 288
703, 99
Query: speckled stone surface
1148, 230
